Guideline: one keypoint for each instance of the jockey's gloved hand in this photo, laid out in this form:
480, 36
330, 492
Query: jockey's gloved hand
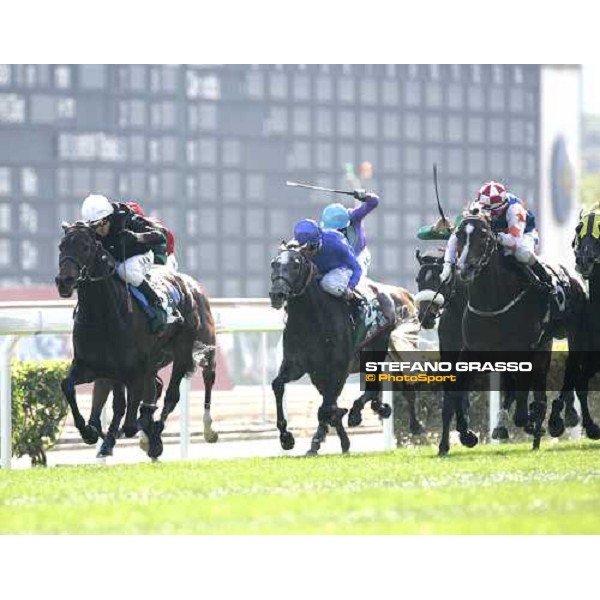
360, 194
128, 236
446, 272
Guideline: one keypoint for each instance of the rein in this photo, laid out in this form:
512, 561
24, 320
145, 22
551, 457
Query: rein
500, 311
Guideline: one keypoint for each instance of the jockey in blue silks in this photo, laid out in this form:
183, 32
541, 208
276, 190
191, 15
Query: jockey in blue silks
349, 221
332, 255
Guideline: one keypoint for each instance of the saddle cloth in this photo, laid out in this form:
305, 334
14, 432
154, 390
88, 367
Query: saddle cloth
370, 323
169, 295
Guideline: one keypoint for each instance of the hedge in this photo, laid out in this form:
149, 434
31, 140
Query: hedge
39, 407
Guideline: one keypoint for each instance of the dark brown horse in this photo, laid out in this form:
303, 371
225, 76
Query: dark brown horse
112, 342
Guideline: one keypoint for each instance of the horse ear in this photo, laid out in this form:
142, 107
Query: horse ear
283, 245
418, 255
65, 225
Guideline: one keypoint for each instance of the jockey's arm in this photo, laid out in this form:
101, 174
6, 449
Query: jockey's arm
146, 234
370, 203
516, 217
449, 257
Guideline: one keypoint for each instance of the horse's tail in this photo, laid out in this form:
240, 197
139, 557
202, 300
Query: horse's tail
199, 323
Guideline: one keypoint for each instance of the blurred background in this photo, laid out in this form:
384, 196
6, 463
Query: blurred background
207, 148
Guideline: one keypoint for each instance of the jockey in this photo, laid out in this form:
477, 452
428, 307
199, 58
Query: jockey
349, 221
514, 226
332, 255
164, 255
130, 240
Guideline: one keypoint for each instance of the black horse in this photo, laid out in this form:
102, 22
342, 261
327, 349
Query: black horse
449, 305
112, 342
446, 301
586, 245
505, 314
317, 340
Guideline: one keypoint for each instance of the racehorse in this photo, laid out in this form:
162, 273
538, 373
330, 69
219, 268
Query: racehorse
586, 246
112, 342
447, 301
504, 314
317, 341
449, 305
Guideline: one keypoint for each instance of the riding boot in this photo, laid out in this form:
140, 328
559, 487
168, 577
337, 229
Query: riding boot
158, 318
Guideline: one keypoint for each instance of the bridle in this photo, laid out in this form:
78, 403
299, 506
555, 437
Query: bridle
309, 272
490, 248
84, 269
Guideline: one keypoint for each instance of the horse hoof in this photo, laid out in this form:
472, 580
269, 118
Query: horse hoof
287, 440
468, 439
536, 444
443, 449
129, 431
500, 433
212, 437
592, 431
312, 453
571, 417
90, 434
105, 450
354, 418
556, 427
346, 449
385, 411
417, 428
156, 449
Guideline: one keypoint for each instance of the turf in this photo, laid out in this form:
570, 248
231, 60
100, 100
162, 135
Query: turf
493, 490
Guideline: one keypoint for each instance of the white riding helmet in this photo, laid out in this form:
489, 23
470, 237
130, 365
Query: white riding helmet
96, 207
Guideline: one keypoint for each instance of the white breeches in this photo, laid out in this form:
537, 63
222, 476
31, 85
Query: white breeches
134, 269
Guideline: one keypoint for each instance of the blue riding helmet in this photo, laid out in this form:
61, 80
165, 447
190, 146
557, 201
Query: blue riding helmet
307, 232
335, 216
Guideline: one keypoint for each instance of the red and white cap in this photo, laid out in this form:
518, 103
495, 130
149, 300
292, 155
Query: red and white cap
492, 195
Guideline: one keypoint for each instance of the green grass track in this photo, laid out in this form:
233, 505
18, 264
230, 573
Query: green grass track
493, 489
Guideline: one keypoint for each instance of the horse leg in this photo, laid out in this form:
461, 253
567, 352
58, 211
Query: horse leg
591, 429
467, 437
571, 415
119, 404
208, 374
521, 414
538, 414
447, 414
286, 439
355, 414
415, 426
76, 376
330, 413
556, 424
143, 392
102, 388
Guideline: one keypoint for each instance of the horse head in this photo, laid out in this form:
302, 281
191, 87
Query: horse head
430, 296
476, 246
291, 272
586, 243
79, 253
